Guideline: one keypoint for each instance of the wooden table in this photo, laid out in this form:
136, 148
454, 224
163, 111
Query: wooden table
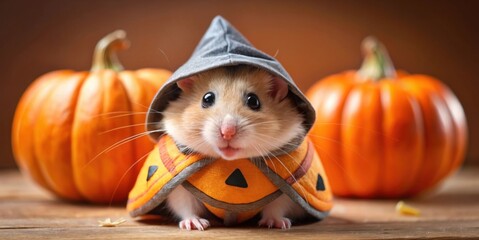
27, 212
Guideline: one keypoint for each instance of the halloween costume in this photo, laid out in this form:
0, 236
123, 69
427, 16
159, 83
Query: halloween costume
232, 190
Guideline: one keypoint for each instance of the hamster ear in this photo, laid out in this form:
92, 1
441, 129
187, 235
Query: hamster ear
279, 89
185, 84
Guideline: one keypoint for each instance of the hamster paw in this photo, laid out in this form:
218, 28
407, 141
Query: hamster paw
270, 222
194, 223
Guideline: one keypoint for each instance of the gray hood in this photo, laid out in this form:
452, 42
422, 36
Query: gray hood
222, 45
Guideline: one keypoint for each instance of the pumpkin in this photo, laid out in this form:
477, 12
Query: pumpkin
78, 134
385, 133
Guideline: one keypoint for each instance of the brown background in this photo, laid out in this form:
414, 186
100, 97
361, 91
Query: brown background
312, 38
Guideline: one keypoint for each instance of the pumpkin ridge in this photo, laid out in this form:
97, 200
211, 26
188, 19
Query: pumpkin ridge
419, 117
38, 131
380, 131
430, 114
54, 168
86, 160
74, 112
445, 97
123, 161
422, 181
340, 137
363, 111
120, 77
144, 75
30, 163
448, 153
454, 107
402, 138
139, 91
100, 169
380, 186
333, 85
150, 90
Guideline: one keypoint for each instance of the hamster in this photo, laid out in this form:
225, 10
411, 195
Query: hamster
232, 113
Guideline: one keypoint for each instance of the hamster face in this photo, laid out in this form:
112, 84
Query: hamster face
233, 113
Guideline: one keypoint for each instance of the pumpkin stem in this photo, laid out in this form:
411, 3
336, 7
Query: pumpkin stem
105, 56
377, 64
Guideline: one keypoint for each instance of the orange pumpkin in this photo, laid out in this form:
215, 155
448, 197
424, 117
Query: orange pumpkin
75, 133
386, 133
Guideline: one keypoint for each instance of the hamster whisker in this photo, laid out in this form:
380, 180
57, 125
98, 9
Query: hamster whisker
158, 112
163, 149
166, 58
119, 143
324, 154
264, 156
266, 142
349, 147
127, 115
126, 126
294, 178
272, 141
197, 144
330, 140
141, 105
118, 113
366, 129
336, 159
124, 175
267, 122
264, 139
291, 174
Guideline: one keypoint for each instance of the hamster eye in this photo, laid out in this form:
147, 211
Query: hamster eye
252, 101
208, 100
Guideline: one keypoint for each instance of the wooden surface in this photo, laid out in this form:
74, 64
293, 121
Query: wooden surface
27, 212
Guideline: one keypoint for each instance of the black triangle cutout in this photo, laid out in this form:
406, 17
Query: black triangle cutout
236, 179
151, 170
320, 184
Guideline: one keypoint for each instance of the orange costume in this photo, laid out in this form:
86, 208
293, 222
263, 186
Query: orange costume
232, 190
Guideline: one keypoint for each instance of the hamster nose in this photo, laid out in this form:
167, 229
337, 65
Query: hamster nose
228, 127
228, 131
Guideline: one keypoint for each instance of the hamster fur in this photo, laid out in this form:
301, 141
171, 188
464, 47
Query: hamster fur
232, 113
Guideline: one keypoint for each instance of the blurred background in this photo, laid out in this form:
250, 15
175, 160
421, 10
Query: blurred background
312, 39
